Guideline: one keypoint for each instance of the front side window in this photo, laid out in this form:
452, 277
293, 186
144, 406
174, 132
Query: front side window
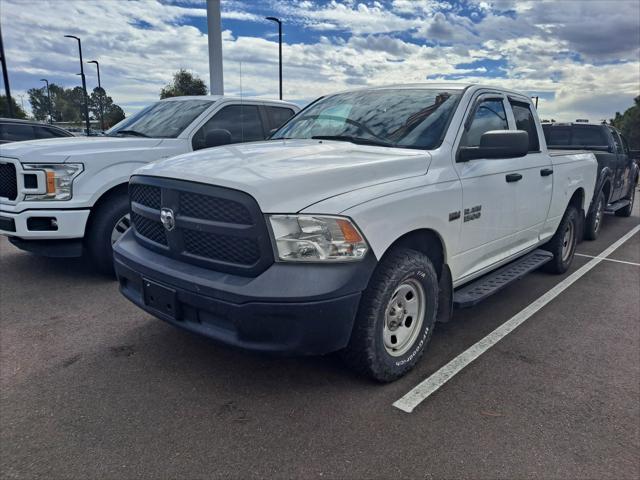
525, 121
406, 118
166, 119
279, 116
617, 141
489, 115
243, 122
46, 132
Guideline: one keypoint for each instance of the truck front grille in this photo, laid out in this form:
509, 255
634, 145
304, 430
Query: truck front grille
8, 181
210, 226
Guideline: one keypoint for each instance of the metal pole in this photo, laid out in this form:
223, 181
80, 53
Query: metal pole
5, 76
279, 22
84, 85
100, 98
49, 98
214, 32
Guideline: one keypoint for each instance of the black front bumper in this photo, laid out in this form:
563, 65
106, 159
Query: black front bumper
288, 308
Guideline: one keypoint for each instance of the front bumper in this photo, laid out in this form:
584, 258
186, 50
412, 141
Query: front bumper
289, 308
69, 224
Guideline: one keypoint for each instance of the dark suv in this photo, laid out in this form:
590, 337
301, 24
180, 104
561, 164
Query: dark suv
617, 171
15, 130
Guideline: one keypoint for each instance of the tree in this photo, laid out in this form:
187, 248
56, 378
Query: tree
18, 112
184, 83
629, 124
112, 112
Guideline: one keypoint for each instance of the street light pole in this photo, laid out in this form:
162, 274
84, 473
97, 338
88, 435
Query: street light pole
84, 85
5, 77
49, 98
277, 20
100, 97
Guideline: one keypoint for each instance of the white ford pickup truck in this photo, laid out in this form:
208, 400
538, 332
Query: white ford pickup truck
61, 197
363, 221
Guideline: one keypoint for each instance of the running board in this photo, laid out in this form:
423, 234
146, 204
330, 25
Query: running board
615, 206
493, 282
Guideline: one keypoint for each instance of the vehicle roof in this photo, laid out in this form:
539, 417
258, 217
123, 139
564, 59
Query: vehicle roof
233, 98
579, 124
459, 86
21, 120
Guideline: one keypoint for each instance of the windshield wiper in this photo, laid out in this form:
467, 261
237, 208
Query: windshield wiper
352, 139
135, 133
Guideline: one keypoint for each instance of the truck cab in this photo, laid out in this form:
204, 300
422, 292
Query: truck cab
67, 196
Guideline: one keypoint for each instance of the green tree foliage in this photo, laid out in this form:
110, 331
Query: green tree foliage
629, 124
184, 83
4, 108
68, 105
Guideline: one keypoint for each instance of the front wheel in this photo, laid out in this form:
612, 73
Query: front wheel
396, 316
108, 224
594, 219
563, 243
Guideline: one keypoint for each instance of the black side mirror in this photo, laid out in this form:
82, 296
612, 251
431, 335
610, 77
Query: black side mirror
497, 144
217, 137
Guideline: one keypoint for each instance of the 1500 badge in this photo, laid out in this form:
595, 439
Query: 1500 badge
472, 213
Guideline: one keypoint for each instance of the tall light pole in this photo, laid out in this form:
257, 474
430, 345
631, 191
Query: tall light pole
5, 77
100, 97
84, 84
277, 20
49, 98
214, 34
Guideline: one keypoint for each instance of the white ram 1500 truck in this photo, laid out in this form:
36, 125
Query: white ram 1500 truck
61, 197
365, 219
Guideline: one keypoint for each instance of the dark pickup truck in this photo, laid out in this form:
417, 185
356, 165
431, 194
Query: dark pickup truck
617, 170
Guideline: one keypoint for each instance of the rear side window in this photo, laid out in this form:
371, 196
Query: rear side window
525, 121
15, 132
489, 115
278, 116
589, 136
559, 136
242, 121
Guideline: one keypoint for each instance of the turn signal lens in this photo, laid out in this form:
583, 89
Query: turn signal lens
51, 182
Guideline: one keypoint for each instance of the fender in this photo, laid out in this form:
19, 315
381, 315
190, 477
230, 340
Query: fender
604, 175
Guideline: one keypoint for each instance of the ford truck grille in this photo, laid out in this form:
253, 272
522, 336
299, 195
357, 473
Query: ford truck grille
210, 226
8, 181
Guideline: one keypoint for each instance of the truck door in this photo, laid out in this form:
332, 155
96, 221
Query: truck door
488, 217
620, 183
533, 191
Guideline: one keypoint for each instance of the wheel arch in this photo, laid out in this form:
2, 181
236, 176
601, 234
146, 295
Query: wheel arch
424, 240
116, 190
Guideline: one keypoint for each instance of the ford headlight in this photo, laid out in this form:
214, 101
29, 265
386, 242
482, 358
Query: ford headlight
58, 180
313, 238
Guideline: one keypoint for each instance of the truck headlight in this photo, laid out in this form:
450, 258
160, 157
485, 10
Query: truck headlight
58, 180
313, 238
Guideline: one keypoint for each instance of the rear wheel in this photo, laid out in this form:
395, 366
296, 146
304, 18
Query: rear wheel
396, 316
626, 211
594, 219
108, 224
563, 243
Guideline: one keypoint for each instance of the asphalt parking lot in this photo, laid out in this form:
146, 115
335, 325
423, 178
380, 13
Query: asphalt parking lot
92, 387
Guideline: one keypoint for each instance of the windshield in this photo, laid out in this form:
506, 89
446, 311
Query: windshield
162, 119
410, 118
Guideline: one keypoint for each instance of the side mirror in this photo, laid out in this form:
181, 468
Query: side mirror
217, 137
497, 144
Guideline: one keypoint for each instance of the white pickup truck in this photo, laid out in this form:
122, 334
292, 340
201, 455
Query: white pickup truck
364, 219
64, 196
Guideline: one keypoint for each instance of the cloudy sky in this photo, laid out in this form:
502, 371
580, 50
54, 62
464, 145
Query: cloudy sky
581, 57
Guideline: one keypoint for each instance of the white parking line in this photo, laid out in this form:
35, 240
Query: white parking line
608, 259
428, 386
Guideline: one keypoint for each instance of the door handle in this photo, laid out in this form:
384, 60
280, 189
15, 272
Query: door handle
545, 172
514, 177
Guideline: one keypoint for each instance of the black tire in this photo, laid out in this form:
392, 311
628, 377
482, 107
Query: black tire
593, 222
98, 237
366, 352
626, 211
562, 258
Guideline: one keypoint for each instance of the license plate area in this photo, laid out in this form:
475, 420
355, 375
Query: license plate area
160, 298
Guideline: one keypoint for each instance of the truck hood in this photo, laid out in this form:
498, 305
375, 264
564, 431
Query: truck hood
286, 176
59, 150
